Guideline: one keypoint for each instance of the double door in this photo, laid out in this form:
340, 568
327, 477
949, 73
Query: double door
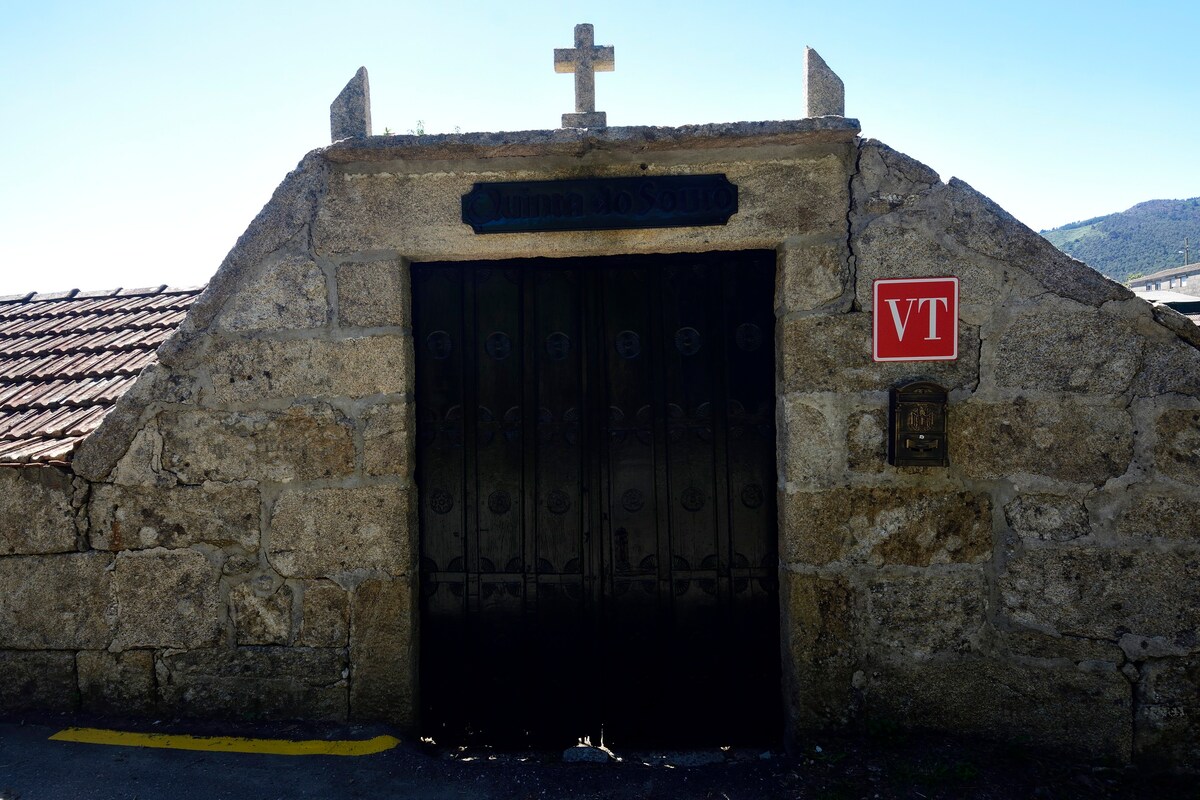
596, 470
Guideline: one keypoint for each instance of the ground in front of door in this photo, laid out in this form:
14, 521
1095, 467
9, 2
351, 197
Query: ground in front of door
882, 765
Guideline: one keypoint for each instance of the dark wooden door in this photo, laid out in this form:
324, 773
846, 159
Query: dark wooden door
596, 467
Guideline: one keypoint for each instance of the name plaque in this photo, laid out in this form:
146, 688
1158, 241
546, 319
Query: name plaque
595, 204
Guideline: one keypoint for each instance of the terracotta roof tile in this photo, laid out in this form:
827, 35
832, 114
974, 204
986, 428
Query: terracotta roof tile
66, 357
43, 449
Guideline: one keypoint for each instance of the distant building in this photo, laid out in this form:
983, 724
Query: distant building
1177, 288
1185, 280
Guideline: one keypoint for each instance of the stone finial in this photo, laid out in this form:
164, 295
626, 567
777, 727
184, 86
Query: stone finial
350, 111
824, 92
584, 59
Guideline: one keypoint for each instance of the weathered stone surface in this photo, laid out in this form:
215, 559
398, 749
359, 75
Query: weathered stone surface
56, 601
281, 230
255, 683
1048, 517
1026, 643
1160, 515
976, 223
799, 197
1103, 593
819, 629
866, 440
810, 275
903, 247
1167, 715
304, 442
833, 354
1177, 444
824, 92
383, 653
374, 294
1060, 347
804, 536
1068, 438
318, 533
807, 446
886, 180
1177, 324
134, 446
1069, 708
141, 464
915, 616
288, 214
1168, 366
35, 511
239, 563
244, 370
877, 526
350, 111
796, 135
41, 681
287, 292
325, 620
137, 517
261, 612
167, 598
116, 683
807, 194
1140, 648
388, 446
969, 223
162, 385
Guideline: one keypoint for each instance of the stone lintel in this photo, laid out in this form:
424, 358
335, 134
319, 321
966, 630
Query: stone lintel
824, 92
575, 142
350, 111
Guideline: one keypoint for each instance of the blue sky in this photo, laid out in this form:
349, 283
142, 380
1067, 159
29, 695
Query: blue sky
140, 138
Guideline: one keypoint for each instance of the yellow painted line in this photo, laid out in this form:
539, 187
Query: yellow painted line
229, 744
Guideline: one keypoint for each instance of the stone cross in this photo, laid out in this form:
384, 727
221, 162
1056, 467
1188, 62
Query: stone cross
584, 59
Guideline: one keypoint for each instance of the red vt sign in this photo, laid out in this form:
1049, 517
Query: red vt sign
916, 319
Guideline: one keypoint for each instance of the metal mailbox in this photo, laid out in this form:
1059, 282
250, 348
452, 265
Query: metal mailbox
917, 426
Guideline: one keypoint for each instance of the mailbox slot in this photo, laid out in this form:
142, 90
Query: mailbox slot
917, 426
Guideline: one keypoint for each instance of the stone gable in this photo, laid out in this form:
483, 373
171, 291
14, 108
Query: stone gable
243, 526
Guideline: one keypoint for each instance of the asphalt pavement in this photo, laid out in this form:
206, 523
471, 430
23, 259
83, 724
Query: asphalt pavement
35, 766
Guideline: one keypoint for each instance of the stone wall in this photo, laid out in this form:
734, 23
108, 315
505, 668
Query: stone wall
56, 600
250, 554
274, 482
1046, 586
239, 537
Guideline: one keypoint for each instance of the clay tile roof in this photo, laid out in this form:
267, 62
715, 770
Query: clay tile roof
65, 358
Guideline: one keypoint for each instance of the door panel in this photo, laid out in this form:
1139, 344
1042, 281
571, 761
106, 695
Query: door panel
595, 463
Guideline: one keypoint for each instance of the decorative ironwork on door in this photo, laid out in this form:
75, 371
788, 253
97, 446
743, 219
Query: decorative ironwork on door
596, 468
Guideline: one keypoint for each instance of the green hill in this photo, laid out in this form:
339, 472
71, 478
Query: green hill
1144, 239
